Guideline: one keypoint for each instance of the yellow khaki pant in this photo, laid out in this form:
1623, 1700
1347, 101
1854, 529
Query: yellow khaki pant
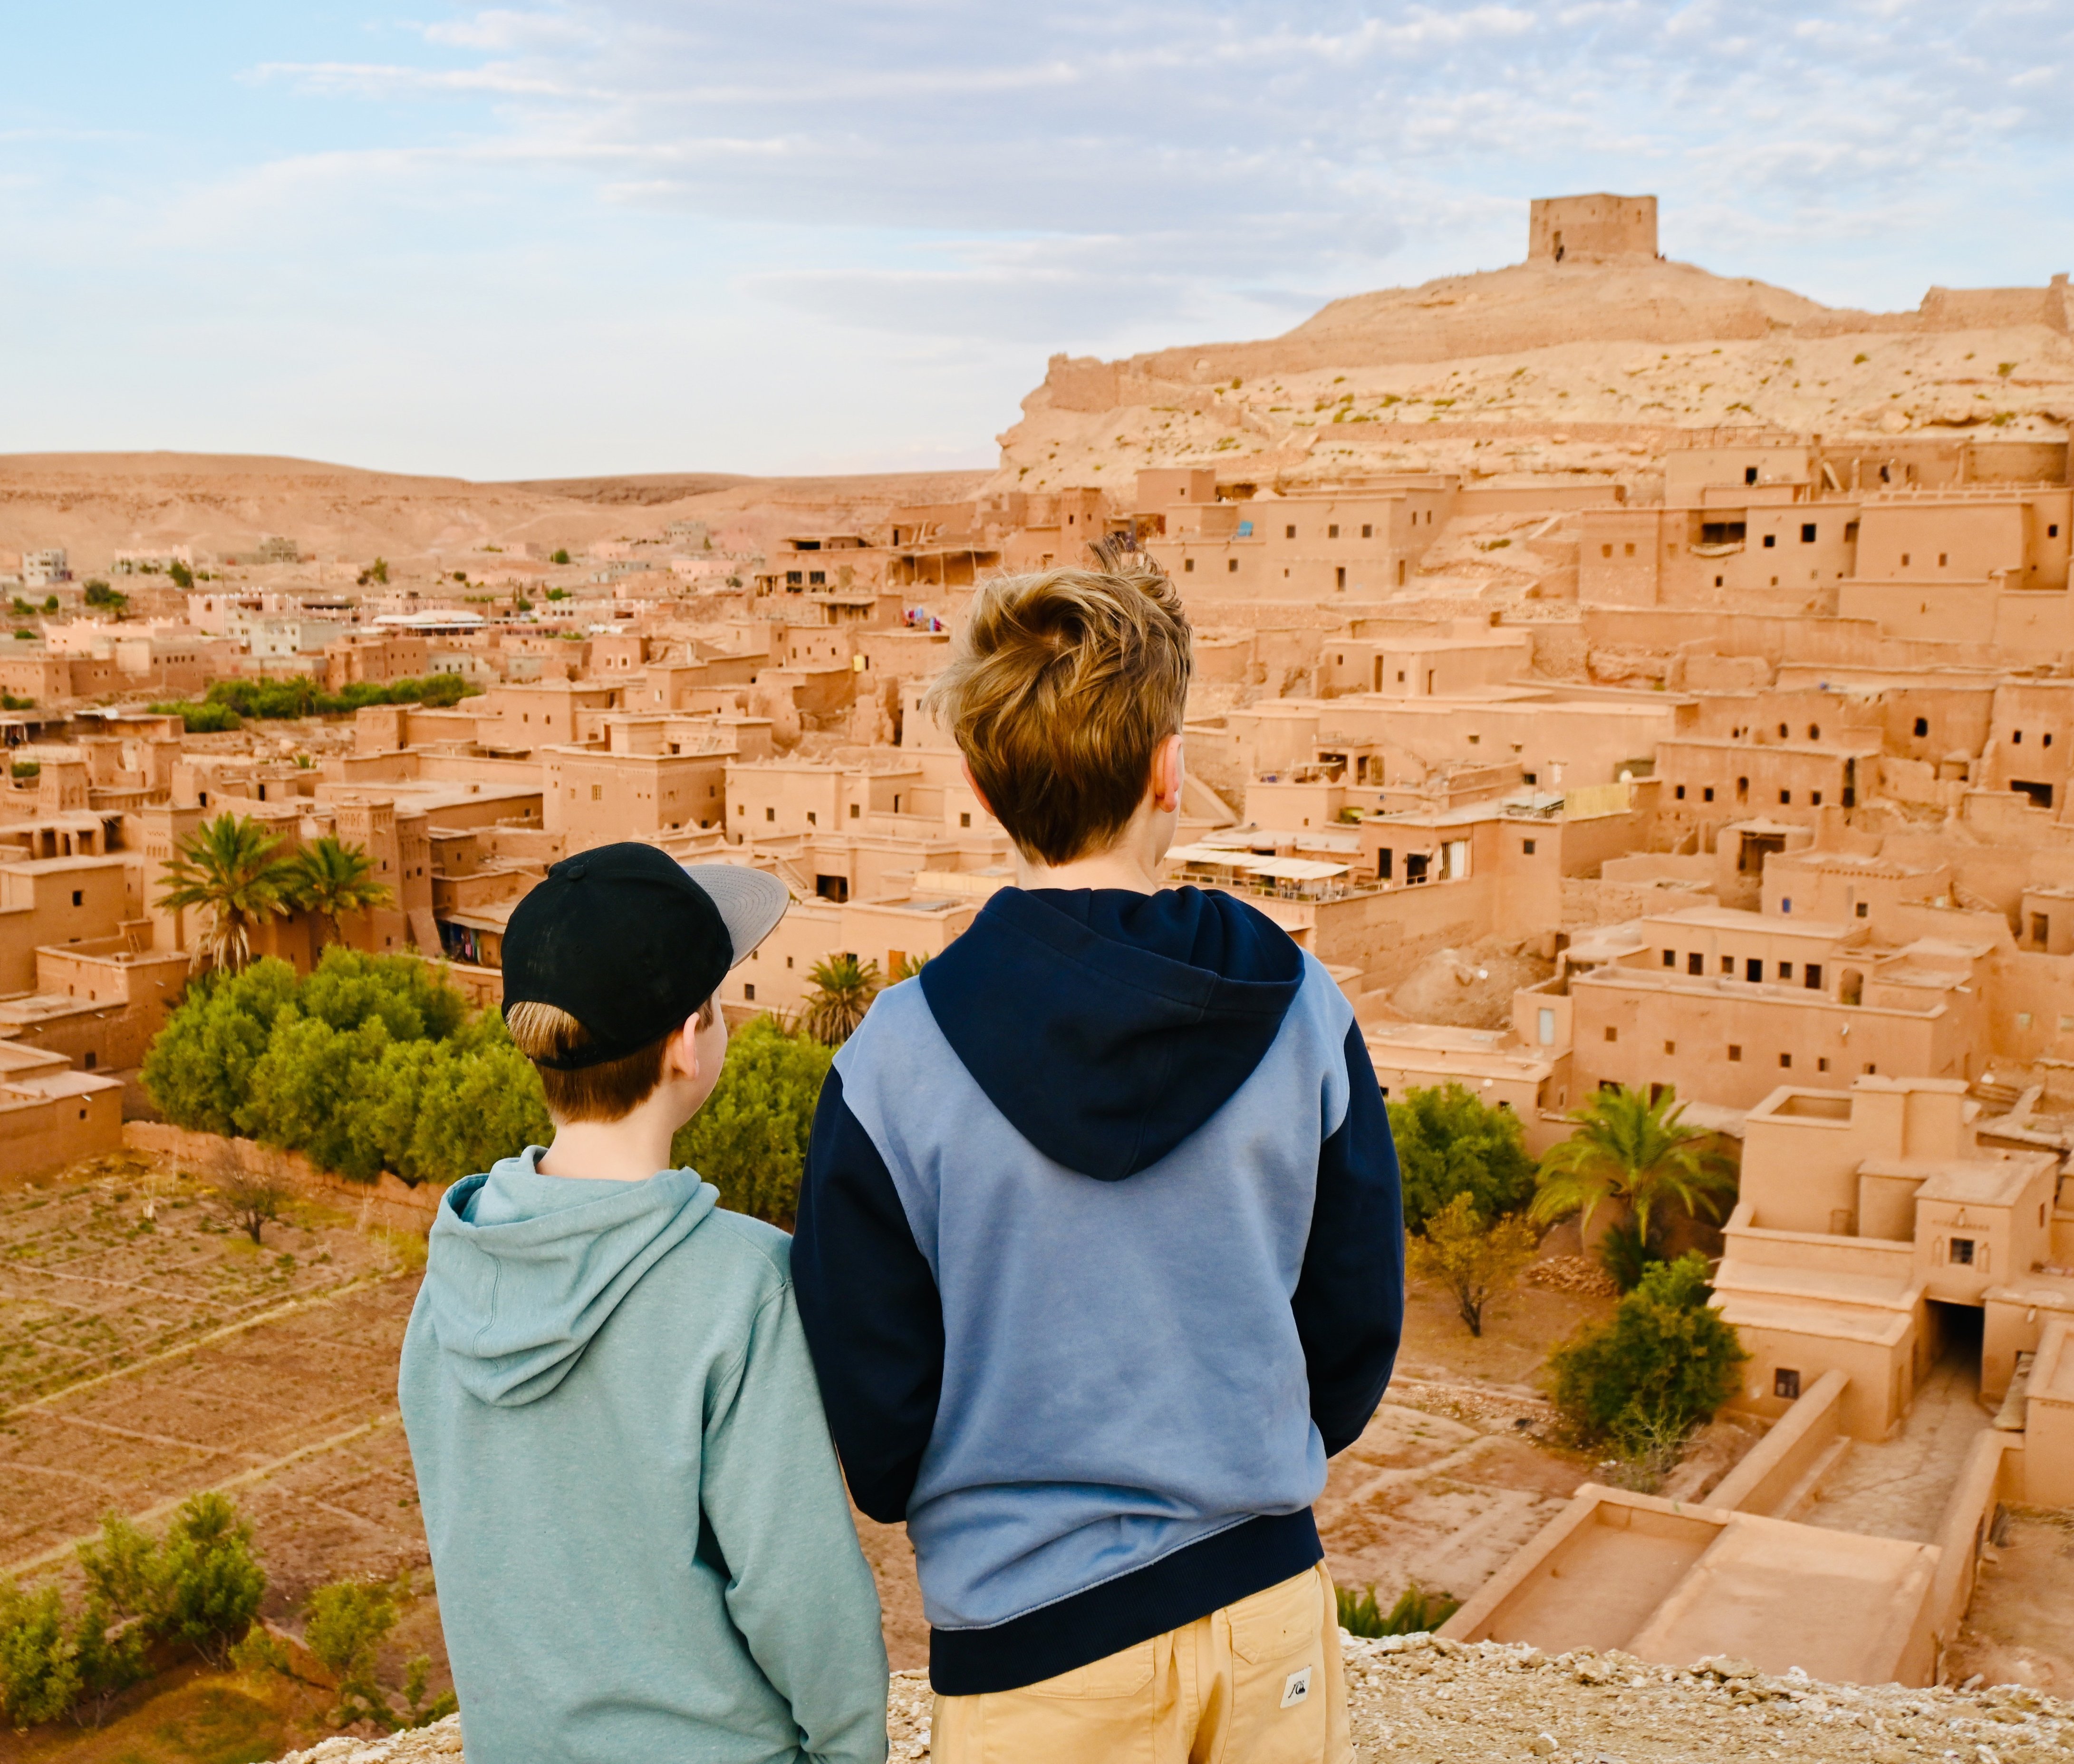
1259, 1682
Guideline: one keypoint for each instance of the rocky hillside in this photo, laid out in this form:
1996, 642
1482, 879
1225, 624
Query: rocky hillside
1419, 1698
1591, 365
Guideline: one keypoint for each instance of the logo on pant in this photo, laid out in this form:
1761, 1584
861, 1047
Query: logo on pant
1297, 1689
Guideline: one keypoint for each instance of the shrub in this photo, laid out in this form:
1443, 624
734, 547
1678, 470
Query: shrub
1449, 1143
38, 1676
1416, 1612
200, 719
750, 1140
1625, 1254
559, 556
348, 1620
1473, 1260
1664, 1364
199, 1587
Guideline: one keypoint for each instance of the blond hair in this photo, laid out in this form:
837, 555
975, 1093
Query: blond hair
609, 1091
1060, 689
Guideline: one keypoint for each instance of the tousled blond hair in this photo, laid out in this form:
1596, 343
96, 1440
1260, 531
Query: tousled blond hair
609, 1091
1060, 689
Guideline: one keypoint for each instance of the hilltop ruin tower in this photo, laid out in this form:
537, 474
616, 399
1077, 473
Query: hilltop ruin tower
1591, 226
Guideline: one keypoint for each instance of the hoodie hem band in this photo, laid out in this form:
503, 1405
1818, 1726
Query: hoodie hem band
1164, 1595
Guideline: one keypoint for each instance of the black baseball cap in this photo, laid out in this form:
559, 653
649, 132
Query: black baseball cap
630, 943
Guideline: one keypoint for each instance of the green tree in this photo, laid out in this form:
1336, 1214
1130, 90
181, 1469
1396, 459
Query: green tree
1664, 1364
349, 1621
750, 1140
843, 990
182, 576
333, 878
100, 595
558, 555
210, 1583
229, 868
1448, 1143
38, 1672
1473, 1261
203, 719
198, 1069
1636, 1152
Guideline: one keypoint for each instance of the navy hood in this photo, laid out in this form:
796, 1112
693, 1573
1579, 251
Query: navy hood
1109, 1025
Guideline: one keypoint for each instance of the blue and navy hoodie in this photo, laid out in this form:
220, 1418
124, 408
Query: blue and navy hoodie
1099, 1256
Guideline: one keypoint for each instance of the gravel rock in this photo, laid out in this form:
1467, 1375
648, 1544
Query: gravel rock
1417, 1699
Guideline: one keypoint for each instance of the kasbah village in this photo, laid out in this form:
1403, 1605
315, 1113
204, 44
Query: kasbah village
1646, 691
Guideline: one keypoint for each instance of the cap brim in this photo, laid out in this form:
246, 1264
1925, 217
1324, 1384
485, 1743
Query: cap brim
750, 902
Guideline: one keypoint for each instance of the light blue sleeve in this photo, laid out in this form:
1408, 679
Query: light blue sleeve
799, 1588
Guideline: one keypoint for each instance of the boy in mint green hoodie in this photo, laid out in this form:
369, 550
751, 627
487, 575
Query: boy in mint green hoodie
640, 1539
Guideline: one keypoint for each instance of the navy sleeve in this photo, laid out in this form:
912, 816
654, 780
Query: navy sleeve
873, 1319
1349, 1299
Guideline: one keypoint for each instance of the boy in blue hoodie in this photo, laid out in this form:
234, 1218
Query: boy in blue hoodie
638, 1531
1100, 1247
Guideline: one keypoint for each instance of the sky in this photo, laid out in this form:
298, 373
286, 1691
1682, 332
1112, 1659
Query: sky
617, 235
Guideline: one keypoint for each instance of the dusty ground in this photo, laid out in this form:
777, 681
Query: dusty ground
1897, 1488
2020, 1630
1437, 1703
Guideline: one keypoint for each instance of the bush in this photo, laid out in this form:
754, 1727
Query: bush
200, 719
200, 1588
750, 1140
349, 1621
1449, 1143
1662, 1366
1416, 1612
38, 1676
559, 556
371, 1063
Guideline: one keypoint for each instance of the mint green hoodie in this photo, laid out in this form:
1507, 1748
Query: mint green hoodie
640, 1539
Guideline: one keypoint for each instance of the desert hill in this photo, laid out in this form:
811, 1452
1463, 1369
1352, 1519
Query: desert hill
96, 504
1595, 364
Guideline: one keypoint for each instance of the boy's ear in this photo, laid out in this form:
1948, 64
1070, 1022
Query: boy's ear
683, 1051
1166, 774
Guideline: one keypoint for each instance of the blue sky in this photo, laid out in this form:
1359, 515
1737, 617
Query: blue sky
627, 235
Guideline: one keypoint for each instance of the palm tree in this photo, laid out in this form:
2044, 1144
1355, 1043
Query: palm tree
331, 878
227, 867
1633, 1150
844, 988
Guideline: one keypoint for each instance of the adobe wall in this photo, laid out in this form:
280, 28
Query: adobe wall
1561, 227
388, 1202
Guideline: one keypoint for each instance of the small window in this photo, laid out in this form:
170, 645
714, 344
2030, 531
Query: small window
1606, 550
92, 1059
1786, 970
1864, 909
1671, 958
1707, 794
1811, 975
1695, 963
1923, 725
1368, 530
1754, 971
964, 818
1943, 559
1771, 539
1806, 532
2017, 739
855, 811
1678, 792
1526, 848
748, 990
771, 814
1814, 797
1735, 1053
597, 793
1231, 565
79, 897
1289, 532
1786, 1062
1786, 799
1750, 474
1786, 1383
1729, 966
1630, 549
1671, 1047
1332, 531
1612, 1033
2052, 532
1904, 560
1962, 1251
1187, 566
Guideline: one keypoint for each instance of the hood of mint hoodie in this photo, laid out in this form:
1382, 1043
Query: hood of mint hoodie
641, 1541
